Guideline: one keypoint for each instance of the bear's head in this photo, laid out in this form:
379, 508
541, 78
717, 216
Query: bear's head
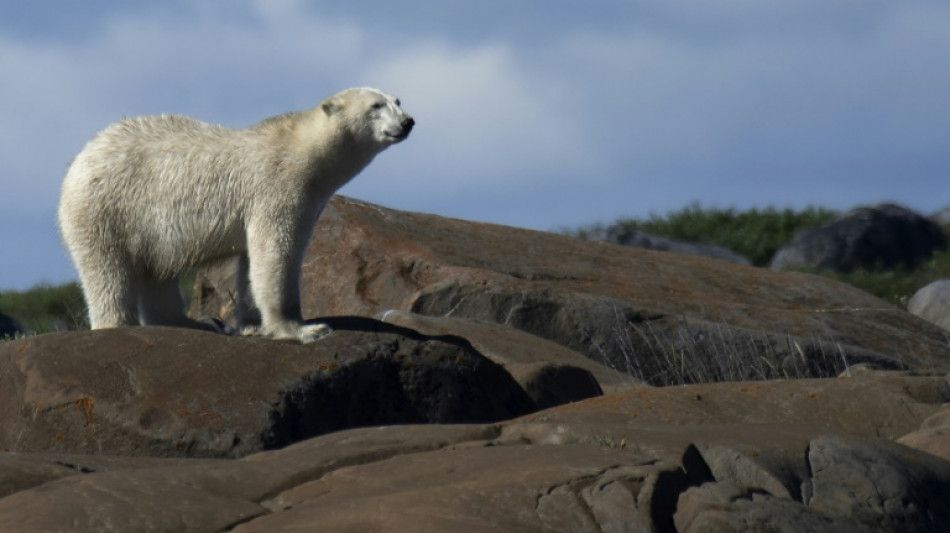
369, 116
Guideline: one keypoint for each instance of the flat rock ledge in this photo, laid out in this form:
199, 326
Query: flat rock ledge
169, 392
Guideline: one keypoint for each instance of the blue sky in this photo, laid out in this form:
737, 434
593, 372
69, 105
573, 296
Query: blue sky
539, 114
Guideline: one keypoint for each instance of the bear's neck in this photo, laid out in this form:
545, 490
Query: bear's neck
321, 148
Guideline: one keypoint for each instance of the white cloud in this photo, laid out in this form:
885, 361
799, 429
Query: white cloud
481, 117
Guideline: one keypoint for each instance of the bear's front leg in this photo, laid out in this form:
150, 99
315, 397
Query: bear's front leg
274, 264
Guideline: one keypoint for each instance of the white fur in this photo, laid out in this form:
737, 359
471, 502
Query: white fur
149, 198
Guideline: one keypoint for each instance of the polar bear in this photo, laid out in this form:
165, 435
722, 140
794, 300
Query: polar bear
152, 197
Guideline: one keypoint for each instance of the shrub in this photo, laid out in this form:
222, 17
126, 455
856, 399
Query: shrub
46, 308
755, 233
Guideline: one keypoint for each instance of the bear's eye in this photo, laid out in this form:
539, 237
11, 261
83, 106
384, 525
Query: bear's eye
378, 105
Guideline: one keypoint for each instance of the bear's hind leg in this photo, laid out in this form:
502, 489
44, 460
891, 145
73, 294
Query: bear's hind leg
160, 303
111, 298
246, 315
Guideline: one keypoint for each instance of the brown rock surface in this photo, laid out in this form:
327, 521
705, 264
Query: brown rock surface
728, 466
175, 392
933, 436
485, 324
882, 485
548, 371
663, 317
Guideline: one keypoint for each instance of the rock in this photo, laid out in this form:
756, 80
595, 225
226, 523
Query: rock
754, 470
22, 471
174, 392
200, 495
881, 485
886, 405
745, 457
9, 328
426, 419
882, 237
729, 507
657, 317
933, 436
942, 217
626, 236
549, 372
932, 303
934, 440
101, 502
502, 488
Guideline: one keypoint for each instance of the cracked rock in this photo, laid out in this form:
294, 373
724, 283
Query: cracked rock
880, 484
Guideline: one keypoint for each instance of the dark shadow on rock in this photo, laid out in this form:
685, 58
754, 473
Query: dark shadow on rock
410, 379
671, 483
372, 325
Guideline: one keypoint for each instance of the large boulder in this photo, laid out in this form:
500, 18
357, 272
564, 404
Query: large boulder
882, 237
881, 485
658, 317
932, 303
173, 392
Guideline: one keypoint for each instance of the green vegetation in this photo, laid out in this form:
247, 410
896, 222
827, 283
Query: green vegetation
756, 233
46, 308
759, 233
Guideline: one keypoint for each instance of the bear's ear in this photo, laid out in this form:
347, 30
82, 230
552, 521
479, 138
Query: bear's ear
331, 106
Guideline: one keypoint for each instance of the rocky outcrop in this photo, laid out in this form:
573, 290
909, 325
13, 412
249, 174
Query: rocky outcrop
170, 392
657, 317
932, 303
882, 237
476, 399
805, 455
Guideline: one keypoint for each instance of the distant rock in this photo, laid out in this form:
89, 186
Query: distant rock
9, 328
618, 234
881, 237
932, 303
942, 217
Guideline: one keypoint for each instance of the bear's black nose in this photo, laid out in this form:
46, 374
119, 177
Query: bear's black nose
407, 124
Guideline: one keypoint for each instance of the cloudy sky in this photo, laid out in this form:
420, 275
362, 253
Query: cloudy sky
539, 114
